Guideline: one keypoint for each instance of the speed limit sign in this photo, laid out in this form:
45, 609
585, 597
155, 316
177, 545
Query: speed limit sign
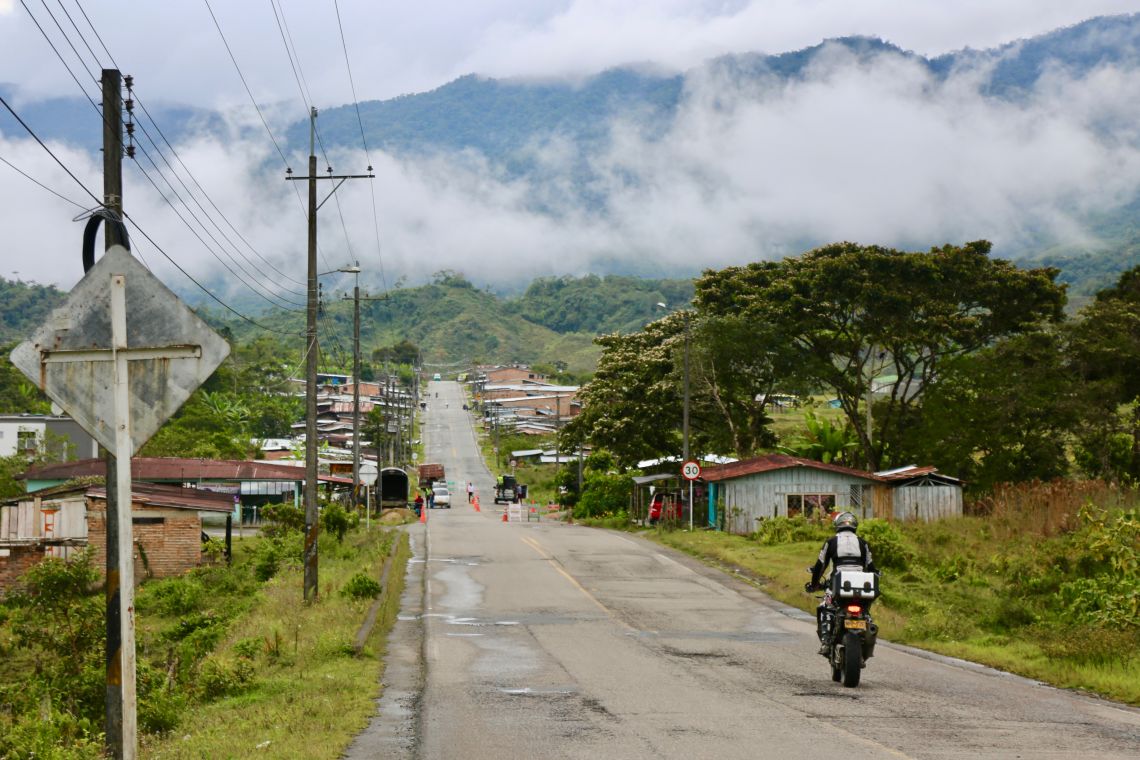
691, 470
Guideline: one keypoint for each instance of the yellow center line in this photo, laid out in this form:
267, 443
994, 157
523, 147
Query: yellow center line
533, 544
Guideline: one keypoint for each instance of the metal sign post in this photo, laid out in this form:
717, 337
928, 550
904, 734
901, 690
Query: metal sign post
121, 356
690, 471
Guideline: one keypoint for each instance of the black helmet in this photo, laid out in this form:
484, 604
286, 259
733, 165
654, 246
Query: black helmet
845, 521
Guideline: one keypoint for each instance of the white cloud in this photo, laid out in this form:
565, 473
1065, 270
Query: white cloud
876, 153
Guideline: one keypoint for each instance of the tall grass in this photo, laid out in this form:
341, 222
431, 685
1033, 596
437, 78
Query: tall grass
1047, 509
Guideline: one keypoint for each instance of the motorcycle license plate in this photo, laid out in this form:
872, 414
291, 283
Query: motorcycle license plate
858, 625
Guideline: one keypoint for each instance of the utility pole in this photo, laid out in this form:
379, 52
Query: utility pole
119, 723
312, 516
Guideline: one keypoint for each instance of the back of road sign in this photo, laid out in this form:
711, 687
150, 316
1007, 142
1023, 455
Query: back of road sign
171, 351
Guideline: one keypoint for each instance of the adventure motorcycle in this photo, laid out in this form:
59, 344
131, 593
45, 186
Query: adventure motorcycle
844, 619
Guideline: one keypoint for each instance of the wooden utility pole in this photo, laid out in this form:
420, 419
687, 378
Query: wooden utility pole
111, 81
312, 517
312, 352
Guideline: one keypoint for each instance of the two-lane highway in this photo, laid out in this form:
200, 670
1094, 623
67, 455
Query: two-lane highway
551, 640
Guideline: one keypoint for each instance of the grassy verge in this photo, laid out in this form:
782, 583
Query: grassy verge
1058, 608
284, 678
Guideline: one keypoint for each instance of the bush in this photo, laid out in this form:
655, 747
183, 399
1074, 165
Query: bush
1089, 645
171, 596
282, 518
360, 586
50, 734
604, 494
335, 520
219, 678
774, 531
889, 549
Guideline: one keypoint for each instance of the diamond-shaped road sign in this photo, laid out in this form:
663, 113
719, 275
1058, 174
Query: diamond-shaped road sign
170, 351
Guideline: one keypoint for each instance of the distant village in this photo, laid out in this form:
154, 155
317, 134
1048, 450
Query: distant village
64, 506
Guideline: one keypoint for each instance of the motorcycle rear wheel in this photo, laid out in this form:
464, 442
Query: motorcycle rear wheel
852, 659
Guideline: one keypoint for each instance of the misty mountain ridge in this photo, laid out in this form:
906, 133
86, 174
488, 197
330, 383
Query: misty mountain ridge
561, 137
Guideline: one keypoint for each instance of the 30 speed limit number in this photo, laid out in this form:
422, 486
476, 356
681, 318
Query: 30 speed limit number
691, 470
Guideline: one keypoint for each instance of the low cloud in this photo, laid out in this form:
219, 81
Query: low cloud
875, 152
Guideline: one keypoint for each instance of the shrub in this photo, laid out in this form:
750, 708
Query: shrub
360, 586
603, 494
774, 531
219, 678
889, 549
282, 518
1089, 645
335, 520
171, 596
248, 648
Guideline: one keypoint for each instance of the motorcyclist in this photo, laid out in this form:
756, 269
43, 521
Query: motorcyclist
844, 549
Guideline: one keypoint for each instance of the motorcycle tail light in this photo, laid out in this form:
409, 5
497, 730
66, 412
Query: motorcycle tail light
855, 609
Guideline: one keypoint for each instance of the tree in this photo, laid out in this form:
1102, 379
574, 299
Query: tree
858, 318
1105, 348
630, 407
1002, 414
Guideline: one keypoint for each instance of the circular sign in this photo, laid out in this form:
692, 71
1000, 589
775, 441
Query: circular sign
691, 470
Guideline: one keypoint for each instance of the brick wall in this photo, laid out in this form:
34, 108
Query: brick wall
16, 563
171, 546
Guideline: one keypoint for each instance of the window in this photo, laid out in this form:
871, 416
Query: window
810, 504
26, 441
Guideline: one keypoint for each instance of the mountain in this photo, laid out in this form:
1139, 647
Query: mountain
500, 119
24, 306
554, 321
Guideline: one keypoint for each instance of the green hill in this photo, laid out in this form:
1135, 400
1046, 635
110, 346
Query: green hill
23, 307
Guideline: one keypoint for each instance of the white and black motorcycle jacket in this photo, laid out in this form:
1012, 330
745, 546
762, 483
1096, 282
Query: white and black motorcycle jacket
843, 549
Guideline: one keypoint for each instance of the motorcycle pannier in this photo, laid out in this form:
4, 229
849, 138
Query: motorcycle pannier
855, 584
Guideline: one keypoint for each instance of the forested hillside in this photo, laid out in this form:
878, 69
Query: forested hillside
23, 306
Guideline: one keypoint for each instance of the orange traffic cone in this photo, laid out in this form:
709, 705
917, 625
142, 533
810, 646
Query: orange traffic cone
504, 515
423, 513
475, 501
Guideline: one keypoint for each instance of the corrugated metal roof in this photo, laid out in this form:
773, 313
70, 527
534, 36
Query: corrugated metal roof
155, 495
772, 462
914, 472
176, 469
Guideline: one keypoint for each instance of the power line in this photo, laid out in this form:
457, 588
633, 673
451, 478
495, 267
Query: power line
156, 167
59, 55
307, 99
82, 38
205, 213
364, 142
36, 137
66, 37
190, 227
41, 184
99, 201
202, 287
257, 107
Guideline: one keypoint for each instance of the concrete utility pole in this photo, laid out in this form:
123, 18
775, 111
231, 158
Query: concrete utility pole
113, 201
312, 352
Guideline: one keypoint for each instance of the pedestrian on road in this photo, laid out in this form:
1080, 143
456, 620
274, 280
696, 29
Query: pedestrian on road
419, 504
470, 491
430, 497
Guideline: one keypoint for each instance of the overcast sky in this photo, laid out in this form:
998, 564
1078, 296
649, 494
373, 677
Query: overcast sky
948, 166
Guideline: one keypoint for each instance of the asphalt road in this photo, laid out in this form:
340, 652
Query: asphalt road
556, 641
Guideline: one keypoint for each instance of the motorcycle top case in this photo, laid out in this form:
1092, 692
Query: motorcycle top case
855, 584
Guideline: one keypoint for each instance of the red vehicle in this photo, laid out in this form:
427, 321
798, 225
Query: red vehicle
664, 505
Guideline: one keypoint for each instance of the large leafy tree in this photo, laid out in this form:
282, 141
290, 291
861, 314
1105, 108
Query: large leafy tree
865, 318
1001, 414
630, 407
1105, 349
